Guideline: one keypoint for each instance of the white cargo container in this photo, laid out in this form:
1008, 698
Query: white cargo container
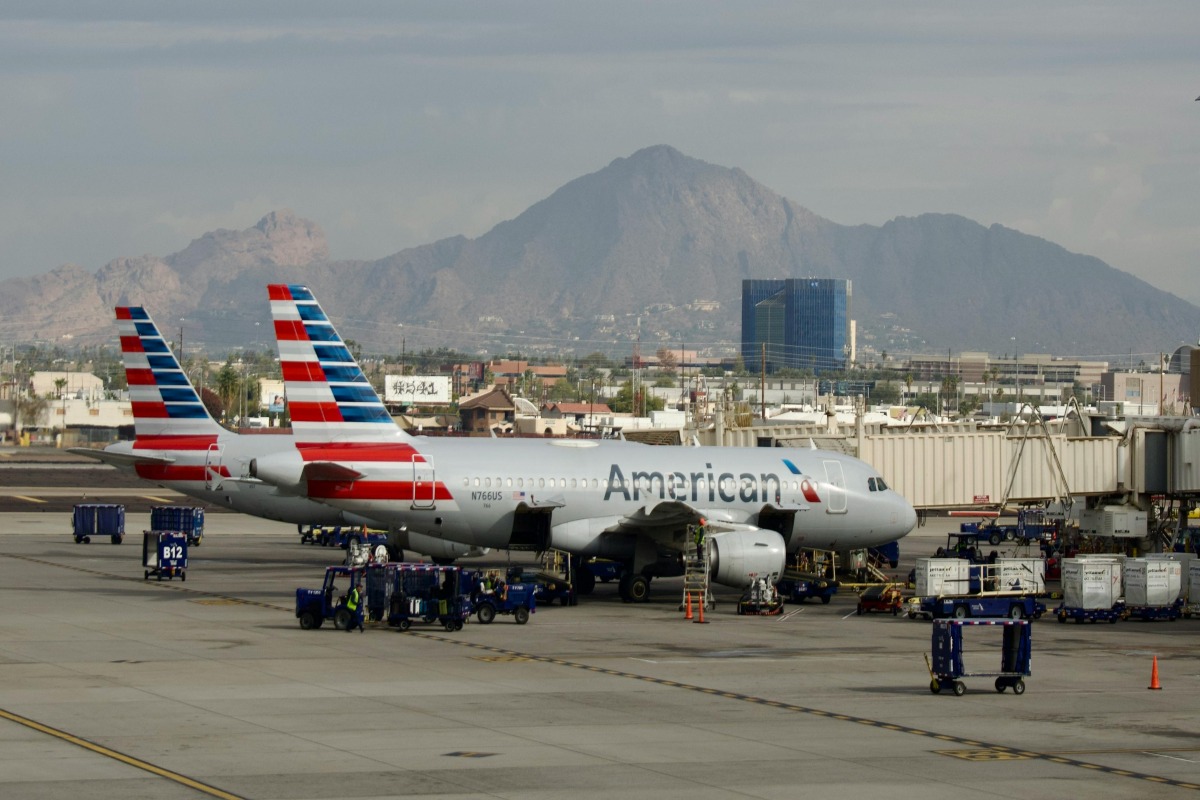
1193, 605
1152, 582
1021, 575
1091, 583
938, 576
1185, 568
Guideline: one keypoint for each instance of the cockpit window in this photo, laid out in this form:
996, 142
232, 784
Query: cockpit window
882, 486
871, 484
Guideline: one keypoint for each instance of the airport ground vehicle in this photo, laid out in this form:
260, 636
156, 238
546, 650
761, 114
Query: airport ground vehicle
426, 593
948, 669
549, 586
761, 599
885, 598
1013, 606
188, 519
888, 553
340, 535
164, 554
315, 606
588, 571
796, 588
98, 519
516, 599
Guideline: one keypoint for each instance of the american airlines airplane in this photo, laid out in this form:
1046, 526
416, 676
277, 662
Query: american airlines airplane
612, 499
178, 445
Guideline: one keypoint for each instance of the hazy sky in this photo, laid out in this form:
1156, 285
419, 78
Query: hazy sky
134, 127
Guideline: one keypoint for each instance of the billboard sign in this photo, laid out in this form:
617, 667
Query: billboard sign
417, 390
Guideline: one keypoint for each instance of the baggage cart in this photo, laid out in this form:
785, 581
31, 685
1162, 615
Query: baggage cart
164, 554
1109, 615
98, 519
427, 593
188, 519
1170, 613
947, 669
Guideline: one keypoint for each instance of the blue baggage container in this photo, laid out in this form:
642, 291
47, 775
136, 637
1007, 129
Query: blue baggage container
188, 519
98, 519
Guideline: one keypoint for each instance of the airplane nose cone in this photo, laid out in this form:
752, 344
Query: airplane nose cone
907, 518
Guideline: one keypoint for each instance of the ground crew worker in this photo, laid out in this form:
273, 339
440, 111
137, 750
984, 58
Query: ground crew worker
354, 606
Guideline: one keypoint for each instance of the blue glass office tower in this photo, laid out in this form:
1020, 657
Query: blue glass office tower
803, 322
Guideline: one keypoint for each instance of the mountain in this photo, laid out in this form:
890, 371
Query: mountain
653, 246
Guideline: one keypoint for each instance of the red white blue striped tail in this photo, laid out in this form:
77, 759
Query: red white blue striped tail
329, 398
164, 402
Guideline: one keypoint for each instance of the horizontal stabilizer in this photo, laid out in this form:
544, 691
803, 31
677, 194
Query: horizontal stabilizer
330, 471
120, 459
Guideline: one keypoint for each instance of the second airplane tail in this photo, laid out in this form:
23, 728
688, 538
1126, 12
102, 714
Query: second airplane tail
329, 397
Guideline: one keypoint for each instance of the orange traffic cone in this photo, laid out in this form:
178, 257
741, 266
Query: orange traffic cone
688, 615
1154, 684
700, 609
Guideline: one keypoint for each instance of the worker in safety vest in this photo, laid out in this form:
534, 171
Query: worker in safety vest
355, 606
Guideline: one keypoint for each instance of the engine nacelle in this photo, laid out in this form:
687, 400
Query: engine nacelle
283, 470
736, 555
590, 537
433, 546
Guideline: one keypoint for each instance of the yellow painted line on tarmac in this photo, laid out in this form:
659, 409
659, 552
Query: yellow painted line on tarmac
107, 752
29, 499
155, 499
982, 751
986, 751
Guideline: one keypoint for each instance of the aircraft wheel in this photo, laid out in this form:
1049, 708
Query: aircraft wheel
639, 589
486, 613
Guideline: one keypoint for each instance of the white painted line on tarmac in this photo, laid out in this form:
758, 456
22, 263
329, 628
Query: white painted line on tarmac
1173, 758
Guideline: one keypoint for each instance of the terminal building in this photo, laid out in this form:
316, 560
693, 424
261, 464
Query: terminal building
796, 323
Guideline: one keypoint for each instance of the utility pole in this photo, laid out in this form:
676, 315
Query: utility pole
762, 384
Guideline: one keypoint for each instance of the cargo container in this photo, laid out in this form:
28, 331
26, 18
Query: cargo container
936, 576
1193, 602
1152, 582
98, 519
1091, 583
1021, 575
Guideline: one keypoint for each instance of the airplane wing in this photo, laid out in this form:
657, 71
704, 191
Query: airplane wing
119, 459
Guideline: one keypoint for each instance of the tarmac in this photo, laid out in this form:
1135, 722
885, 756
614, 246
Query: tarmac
117, 687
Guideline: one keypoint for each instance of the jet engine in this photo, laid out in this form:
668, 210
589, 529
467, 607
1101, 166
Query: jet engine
440, 550
736, 555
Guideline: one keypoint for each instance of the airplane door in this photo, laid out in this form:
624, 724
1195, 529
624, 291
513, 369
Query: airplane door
424, 484
212, 468
837, 487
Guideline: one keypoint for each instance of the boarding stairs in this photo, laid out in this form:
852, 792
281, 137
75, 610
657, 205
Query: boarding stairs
696, 589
